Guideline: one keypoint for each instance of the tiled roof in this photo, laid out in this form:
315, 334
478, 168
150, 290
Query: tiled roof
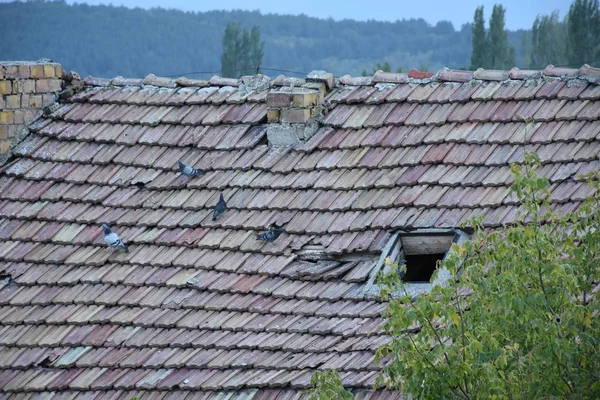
200, 308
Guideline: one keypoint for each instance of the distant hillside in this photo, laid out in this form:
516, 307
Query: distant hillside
108, 41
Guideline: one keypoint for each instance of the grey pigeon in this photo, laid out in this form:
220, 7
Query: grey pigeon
113, 240
270, 235
219, 208
187, 170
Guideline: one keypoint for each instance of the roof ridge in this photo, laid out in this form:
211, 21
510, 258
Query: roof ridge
587, 72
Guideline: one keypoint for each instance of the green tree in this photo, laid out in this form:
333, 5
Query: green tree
242, 51
327, 385
478, 41
521, 320
548, 41
500, 55
584, 32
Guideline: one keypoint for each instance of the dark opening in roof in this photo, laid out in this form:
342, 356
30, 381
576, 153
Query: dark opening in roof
420, 267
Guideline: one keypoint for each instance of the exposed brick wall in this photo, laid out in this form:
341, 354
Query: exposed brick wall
25, 89
293, 112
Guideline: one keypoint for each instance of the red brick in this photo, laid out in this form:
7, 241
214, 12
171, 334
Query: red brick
416, 74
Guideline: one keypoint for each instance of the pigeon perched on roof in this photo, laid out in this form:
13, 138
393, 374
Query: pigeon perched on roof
187, 170
219, 208
113, 240
271, 234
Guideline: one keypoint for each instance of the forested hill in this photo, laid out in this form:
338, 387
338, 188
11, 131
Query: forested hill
108, 41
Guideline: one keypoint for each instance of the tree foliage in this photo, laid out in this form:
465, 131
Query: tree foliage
327, 385
548, 41
385, 67
478, 40
522, 319
501, 55
491, 49
584, 32
109, 41
242, 51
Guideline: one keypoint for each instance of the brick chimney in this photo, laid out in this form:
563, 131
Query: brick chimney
294, 107
25, 89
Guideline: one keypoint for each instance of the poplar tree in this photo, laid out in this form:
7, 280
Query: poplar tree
500, 55
478, 41
584, 32
548, 41
242, 51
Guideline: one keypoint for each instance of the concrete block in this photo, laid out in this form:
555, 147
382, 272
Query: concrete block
37, 71
19, 117
24, 71
273, 115
13, 102
6, 117
11, 71
295, 115
26, 86
49, 71
55, 85
35, 101
303, 100
322, 76
58, 70
278, 99
3, 132
4, 146
5, 87
42, 86
47, 99
24, 101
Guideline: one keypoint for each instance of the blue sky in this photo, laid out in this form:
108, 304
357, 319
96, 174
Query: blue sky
519, 13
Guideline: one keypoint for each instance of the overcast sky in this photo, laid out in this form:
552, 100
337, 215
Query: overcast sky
519, 13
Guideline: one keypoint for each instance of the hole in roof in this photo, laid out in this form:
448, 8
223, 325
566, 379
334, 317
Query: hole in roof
140, 184
422, 254
45, 363
420, 267
5, 277
263, 141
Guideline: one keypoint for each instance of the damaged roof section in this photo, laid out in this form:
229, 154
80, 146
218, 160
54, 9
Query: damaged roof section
200, 306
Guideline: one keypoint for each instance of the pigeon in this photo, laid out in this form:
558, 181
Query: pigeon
219, 208
113, 240
270, 235
187, 170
